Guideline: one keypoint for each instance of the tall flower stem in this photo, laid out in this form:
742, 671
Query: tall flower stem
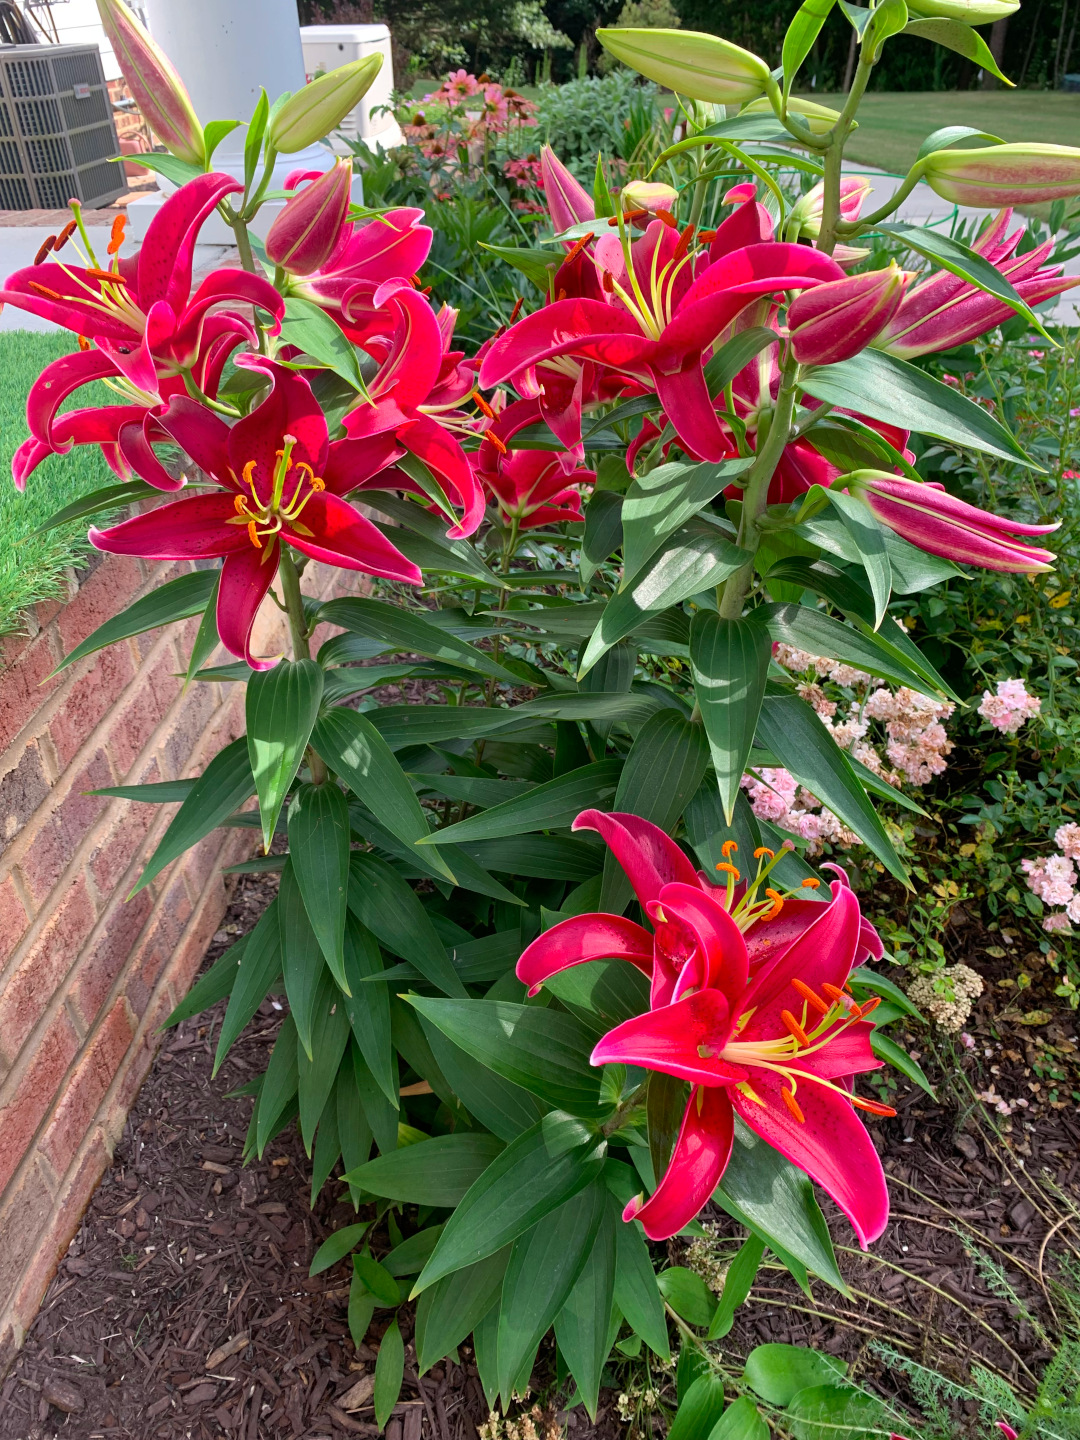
294, 610
834, 155
756, 493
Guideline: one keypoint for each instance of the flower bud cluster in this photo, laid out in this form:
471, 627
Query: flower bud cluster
948, 995
1010, 708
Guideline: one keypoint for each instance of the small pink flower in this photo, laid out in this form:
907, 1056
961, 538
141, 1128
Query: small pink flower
1037, 354
967, 1041
1070, 474
1010, 708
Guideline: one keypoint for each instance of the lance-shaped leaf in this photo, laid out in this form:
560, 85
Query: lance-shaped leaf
504, 1108
389, 907
318, 335
790, 729
603, 530
737, 352
697, 557
319, 854
399, 630
546, 807
259, 966
867, 535
661, 773
206, 638
539, 1049
535, 264
730, 660
659, 503
389, 1373
368, 1006
962, 260
408, 515
402, 725
450, 1310
211, 987
800, 36
776, 1201
282, 705
636, 1292
737, 1284
955, 35
545, 1264
109, 497
179, 599
302, 961
223, 786
351, 746
534, 1175
279, 1085
950, 134
876, 652
886, 388
317, 1072
439, 1171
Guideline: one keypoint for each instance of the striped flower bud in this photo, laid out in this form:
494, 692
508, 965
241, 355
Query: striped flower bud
304, 234
701, 67
1015, 174
313, 112
834, 321
156, 87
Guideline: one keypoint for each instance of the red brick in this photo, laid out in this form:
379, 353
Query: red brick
188, 728
31, 1098
22, 790
154, 691
98, 970
59, 1231
122, 843
90, 699
23, 1215
110, 589
27, 992
165, 934
13, 918
25, 686
50, 851
203, 862
97, 1067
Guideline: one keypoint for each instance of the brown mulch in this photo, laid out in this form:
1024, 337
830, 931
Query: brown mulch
184, 1307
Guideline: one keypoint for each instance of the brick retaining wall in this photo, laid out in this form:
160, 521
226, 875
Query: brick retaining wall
85, 978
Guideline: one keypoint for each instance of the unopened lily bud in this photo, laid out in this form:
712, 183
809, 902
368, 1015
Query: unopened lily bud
156, 87
971, 12
1015, 174
320, 107
303, 236
645, 195
817, 118
933, 520
701, 67
808, 211
836, 320
568, 201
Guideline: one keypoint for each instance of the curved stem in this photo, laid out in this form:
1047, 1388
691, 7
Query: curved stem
834, 155
294, 609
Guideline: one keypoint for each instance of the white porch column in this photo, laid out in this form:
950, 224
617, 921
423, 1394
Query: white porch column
226, 51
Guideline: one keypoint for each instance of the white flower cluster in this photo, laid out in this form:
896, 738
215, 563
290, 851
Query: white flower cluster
951, 1008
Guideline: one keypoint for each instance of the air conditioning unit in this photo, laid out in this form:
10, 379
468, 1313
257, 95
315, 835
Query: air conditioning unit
327, 47
56, 129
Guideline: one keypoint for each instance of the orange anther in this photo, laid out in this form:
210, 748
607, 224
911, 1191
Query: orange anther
613, 221
561, 295
482, 405
84, 343
608, 282
110, 275
496, 442
777, 905
578, 247
517, 308
116, 234
811, 884
812, 999
727, 869
834, 994
793, 1105
873, 1106
43, 290
869, 1006
684, 243
668, 218
253, 535
764, 850
65, 235
727, 847
794, 1028
634, 216
706, 236
240, 505
46, 246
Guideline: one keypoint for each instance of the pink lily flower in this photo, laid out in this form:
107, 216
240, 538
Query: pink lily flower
308, 230
924, 513
568, 201
833, 322
750, 1010
663, 314
944, 311
270, 467
531, 487
415, 403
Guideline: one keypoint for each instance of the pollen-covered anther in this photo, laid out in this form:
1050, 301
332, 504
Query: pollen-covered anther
42, 290
777, 905
873, 1107
496, 441
46, 246
607, 282
728, 848
811, 884
793, 1105
482, 405
839, 996
810, 996
764, 850
726, 869
794, 1028
573, 253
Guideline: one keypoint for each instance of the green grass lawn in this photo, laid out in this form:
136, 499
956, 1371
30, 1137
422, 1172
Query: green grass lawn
892, 126
31, 566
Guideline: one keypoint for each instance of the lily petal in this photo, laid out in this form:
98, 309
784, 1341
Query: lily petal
59, 380
700, 1157
720, 961
246, 576
580, 939
165, 258
650, 858
189, 529
682, 1039
338, 534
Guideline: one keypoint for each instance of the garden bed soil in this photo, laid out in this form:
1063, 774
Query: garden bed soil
184, 1307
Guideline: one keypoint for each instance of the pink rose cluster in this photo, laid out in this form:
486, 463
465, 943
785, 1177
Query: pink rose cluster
1053, 879
1010, 708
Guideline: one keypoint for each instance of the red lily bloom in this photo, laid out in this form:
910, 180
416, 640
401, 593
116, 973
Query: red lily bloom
148, 328
271, 467
532, 487
415, 402
749, 1008
663, 313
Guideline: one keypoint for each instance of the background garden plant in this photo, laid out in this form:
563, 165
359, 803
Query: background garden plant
711, 372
